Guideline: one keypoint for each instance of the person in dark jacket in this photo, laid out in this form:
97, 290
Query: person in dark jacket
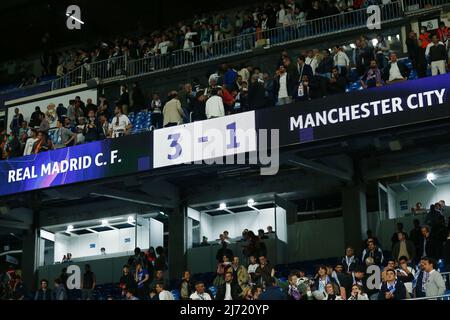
230, 290
401, 245
198, 113
283, 86
186, 286
35, 120
412, 46
44, 293
446, 253
337, 83
392, 288
138, 99
14, 148
92, 129
273, 292
428, 246
16, 122
396, 70
349, 262
256, 94
61, 112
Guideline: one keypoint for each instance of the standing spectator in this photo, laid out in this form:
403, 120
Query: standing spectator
256, 94
437, 54
120, 124
42, 143
396, 71
295, 291
64, 135
13, 148
284, 86
160, 261
434, 284
200, 293
412, 45
156, 108
16, 122
428, 246
394, 238
381, 51
60, 291
91, 130
341, 60
321, 280
186, 286
229, 290
372, 77
44, 293
265, 272
142, 279
240, 274
391, 288
172, 112
35, 120
425, 37
88, 283
44, 125
443, 33
403, 248
415, 236
61, 111
199, 106
127, 281
337, 83
214, 105
90, 106
124, 99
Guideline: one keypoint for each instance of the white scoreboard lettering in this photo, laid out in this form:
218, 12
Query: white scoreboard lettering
204, 140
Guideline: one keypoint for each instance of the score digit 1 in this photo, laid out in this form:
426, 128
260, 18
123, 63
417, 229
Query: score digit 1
233, 139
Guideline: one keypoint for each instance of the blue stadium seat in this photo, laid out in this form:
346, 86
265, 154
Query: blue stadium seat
176, 294
213, 291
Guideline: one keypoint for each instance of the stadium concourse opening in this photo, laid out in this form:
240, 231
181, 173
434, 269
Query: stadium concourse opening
115, 174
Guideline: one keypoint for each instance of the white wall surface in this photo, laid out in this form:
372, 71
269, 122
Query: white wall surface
281, 224
156, 233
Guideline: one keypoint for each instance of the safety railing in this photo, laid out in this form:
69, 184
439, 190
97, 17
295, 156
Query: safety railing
246, 42
413, 5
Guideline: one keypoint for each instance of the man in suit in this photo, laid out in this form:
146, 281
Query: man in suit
396, 71
256, 94
403, 248
428, 247
230, 290
349, 261
434, 283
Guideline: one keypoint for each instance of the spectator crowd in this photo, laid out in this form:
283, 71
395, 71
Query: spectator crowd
410, 269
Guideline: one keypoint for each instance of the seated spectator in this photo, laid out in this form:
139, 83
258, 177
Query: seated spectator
262, 235
396, 71
337, 83
331, 292
350, 261
322, 279
163, 294
341, 61
159, 279
296, 291
42, 143
272, 291
18, 290
44, 293
229, 290
358, 293
130, 295
186, 286
372, 77
391, 288
200, 293
240, 274
433, 282
372, 251
406, 274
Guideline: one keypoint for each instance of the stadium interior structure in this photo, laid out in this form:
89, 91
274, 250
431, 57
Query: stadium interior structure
326, 195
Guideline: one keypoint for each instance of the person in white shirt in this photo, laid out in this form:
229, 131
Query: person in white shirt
281, 15
200, 293
162, 293
357, 293
214, 105
120, 124
30, 143
253, 265
163, 46
341, 60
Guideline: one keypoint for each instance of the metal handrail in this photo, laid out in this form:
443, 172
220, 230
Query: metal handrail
430, 298
415, 5
245, 42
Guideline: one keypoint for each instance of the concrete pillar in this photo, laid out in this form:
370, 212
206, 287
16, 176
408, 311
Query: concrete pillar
30, 258
354, 215
290, 207
177, 242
